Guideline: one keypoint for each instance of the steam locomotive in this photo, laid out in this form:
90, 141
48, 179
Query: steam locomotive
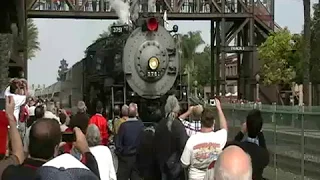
139, 63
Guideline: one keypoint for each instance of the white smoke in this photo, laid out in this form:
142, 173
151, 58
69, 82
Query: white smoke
151, 5
122, 10
134, 10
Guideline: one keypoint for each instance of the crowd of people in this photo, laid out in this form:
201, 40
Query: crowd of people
44, 141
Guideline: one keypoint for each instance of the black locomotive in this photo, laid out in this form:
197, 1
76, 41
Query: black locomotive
138, 63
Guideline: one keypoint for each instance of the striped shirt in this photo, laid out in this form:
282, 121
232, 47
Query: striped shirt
192, 127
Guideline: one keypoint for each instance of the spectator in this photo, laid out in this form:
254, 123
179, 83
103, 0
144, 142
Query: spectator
118, 122
50, 112
17, 156
127, 142
171, 138
45, 137
63, 118
39, 113
14, 90
116, 116
81, 118
254, 144
58, 169
145, 156
101, 123
101, 153
204, 147
194, 113
233, 163
32, 108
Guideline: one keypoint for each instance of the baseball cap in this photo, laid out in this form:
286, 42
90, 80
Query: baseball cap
64, 167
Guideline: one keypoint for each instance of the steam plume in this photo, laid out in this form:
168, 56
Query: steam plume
151, 5
122, 10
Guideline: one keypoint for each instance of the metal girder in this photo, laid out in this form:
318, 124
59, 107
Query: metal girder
168, 5
216, 6
244, 6
30, 4
84, 2
112, 15
237, 31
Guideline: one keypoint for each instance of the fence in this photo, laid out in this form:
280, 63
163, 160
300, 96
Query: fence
292, 135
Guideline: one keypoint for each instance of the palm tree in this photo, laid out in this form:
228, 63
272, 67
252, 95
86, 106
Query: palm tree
6, 41
190, 42
307, 39
33, 43
5, 47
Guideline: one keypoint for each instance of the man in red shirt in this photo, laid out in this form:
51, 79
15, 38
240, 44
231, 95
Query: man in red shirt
101, 123
3, 133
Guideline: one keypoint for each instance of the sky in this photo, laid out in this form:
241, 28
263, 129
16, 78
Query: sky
67, 39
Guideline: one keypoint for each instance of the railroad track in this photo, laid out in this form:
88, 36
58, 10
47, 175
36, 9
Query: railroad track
294, 141
293, 165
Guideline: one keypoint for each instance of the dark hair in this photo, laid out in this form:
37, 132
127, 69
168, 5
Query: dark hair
254, 123
14, 85
99, 107
80, 120
45, 135
156, 116
207, 118
116, 110
62, 118
39, 112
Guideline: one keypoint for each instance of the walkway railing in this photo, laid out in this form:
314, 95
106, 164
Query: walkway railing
292, 135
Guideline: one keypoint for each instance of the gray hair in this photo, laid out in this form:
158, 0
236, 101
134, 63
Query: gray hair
93, 135
125, 110
171, 108
221, 173
81, 107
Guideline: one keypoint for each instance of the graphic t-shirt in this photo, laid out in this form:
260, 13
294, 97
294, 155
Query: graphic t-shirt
201, 150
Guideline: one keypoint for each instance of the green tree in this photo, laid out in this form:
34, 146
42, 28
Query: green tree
33, 42
190, 42
203, 67
63, 68
275, 54
5, 47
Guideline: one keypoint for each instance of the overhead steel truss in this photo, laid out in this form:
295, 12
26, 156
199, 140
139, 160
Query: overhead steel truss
237, 26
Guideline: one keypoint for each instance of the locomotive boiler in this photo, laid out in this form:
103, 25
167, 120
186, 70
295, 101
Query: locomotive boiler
138, 64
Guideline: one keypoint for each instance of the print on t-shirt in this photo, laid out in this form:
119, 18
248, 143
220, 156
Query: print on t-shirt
201, 150
204, 154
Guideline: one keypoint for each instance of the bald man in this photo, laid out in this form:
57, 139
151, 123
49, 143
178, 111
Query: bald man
127, 142
233, 163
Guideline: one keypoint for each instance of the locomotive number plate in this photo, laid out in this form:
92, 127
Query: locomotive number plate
153, 74
119, 29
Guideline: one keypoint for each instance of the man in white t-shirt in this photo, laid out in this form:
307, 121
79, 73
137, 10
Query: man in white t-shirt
19, 100
204, 147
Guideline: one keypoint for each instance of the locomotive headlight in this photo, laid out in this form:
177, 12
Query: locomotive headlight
153, 63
